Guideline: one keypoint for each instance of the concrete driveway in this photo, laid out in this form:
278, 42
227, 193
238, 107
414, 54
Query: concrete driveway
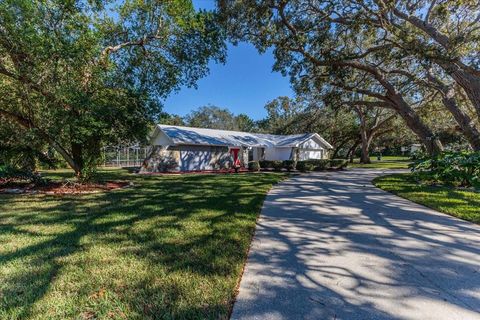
332, 246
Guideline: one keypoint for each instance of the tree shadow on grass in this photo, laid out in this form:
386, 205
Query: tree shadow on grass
183, 226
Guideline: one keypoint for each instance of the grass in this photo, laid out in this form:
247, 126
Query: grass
171, 247
462, 204
387, 162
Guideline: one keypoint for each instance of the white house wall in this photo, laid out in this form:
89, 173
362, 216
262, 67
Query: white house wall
310, 144
311, 149
278, 153
309, 154
198, 158
195, 160
161, 139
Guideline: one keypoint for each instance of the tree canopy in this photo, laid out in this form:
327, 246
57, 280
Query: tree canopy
78, 74
398, 55
214, 117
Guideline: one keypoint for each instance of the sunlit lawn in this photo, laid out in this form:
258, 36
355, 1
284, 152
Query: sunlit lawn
171, 247
387, 162
463, 204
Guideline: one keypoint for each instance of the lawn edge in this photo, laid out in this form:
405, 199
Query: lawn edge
236, 291
419, 203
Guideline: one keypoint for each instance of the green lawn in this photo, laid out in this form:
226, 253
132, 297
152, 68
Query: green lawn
459, 203
171, 247
387, 162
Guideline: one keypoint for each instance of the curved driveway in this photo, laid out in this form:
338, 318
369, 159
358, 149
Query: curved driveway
332, 246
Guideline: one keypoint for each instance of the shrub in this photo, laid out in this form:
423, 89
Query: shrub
454, 168
12, 174
318, 164
304, 166
289, 165
265, 164
277, 165
338, 163
418, 155
253, 166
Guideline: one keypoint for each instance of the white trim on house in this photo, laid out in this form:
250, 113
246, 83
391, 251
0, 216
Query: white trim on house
180, 143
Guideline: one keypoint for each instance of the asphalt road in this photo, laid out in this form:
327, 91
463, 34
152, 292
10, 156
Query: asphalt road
332, 246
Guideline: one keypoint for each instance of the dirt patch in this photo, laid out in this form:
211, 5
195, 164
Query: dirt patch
63, 187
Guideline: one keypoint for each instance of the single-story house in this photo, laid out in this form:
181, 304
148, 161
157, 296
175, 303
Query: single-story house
178, 148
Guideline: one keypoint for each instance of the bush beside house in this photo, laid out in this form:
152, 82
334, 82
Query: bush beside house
289, 165
304, 166
253, 166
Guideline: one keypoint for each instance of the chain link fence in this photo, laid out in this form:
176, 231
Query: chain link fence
121, 156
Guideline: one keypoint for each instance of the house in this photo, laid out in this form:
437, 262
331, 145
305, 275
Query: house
177, 148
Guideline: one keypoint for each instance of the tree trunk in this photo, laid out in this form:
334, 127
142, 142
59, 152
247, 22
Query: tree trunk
365, 156
468, 81
351, 151
414, 122
77, 157
463, 120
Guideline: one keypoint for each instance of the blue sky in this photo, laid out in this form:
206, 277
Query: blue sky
244, 84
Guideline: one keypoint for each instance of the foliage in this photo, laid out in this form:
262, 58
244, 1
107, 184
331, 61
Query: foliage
20, 149
283, 116
244, 123
353, 60
338, 163
451, 168
80, 74
265, 164
289, 165
319, 164
418, 155
171, 119
211, 117
459, 203
277, 165
10, 174
214, 117
254, 166
304, 166
172, 246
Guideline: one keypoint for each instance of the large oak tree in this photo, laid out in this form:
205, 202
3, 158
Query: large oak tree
81, 74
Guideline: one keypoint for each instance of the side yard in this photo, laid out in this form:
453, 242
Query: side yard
387, 162
169, 247
464, 204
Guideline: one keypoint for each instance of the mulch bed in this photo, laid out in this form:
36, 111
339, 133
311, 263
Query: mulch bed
59, 188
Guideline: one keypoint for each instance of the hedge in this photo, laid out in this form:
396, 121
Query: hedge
304, 166
253, 166
289, 165
338, 163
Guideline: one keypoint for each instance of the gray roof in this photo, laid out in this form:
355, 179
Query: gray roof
200, 136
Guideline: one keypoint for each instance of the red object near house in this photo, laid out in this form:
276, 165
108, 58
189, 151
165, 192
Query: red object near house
236, 160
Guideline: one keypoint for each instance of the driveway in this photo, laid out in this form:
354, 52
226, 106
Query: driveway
332, 246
